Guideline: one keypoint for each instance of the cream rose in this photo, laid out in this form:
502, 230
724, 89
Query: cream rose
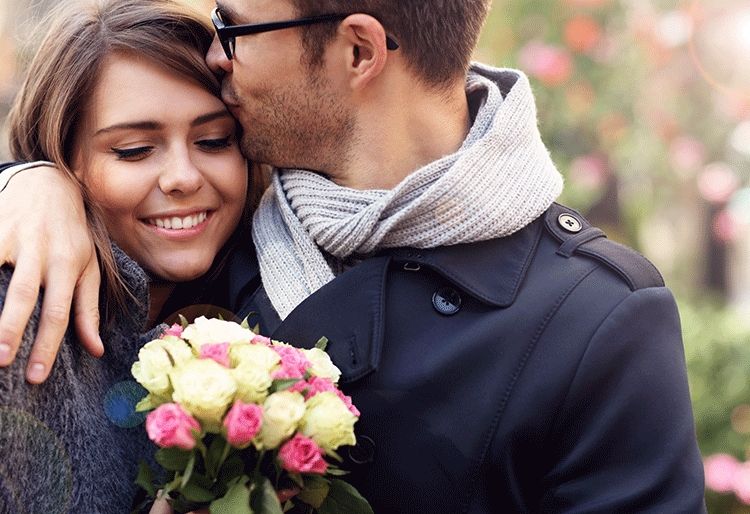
152, 368
205, 389
328, 421
252, 383
204, 330
322, 366
254, 354
282, 412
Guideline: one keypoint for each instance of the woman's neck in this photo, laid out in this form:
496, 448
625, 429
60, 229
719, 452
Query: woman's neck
158, 293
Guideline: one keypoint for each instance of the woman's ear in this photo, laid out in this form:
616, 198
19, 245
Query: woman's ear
365, 47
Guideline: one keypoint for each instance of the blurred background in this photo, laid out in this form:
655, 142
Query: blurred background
645, 106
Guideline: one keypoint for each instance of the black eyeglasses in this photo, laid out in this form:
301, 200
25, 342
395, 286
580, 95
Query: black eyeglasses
227, 34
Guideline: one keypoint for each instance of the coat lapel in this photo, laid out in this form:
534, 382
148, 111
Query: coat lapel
348, 312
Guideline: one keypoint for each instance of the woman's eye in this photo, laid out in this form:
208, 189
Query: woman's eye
132, 154
215, 144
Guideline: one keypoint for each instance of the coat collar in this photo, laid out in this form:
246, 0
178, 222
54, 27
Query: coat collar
350, 310
491, 270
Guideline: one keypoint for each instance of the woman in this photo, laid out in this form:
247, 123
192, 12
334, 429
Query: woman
120, 98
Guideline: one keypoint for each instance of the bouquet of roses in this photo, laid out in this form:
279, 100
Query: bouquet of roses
245, 424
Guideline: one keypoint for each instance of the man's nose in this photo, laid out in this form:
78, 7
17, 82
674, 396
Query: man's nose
217, 59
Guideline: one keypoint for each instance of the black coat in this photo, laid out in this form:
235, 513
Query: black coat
541, 372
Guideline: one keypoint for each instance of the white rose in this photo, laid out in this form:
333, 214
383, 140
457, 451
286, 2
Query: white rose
252, 383
322, 366
204, 330
152, 368
254, 354
205, 389
282, 412
328, 421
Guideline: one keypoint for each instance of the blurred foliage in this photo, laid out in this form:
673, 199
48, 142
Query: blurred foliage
717, 349
645, 106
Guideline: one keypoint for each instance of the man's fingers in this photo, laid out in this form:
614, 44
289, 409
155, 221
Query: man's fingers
20, 300
87, 310
53, 322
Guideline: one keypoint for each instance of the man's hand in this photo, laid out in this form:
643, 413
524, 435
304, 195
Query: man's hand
45, 237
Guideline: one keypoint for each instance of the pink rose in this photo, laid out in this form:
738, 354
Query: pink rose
293, 362
301, 455
287, 494
258, 339
216, 351
243, 423
323, 385
168, 425
348, 402
174, 330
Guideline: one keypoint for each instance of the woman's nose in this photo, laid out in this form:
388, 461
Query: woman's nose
181, 176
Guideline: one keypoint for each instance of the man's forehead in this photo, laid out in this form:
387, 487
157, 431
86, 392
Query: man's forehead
253, 11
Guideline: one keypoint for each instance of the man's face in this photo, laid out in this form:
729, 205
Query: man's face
293, 116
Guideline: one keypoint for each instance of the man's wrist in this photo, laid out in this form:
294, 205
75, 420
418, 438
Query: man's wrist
12, 171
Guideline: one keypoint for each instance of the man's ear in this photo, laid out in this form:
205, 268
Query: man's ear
365, 48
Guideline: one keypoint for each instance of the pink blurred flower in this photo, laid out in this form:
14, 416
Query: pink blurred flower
589, 172
301, 455
725, 227
169, 426
293, 362
741, 482
216, 351
717, 183
242, 423
550, 64
174, 330
720, 469
582, 33
687, 154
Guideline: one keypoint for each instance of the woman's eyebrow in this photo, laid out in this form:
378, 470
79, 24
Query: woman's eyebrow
154, 125
136, 125
206, 118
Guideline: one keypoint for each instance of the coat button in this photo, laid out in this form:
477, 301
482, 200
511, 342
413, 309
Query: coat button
364, 451
446, 300
569, 223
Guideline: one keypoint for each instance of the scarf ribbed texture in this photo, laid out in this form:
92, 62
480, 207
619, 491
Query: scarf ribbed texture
499, 181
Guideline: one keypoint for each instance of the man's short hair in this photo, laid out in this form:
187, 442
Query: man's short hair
437, 37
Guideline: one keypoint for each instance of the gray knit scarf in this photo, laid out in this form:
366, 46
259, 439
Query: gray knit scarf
500, 180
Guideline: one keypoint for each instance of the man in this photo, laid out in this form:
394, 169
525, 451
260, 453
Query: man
506, 357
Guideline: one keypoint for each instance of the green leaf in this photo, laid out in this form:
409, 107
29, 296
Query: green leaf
237, 499
322, 343
342, 498
336, 472
188, 470
145, 479
196, 493
215, 451
174, 459
150, 402
263, 499
282, 383
183, 322
315, 490
232, 468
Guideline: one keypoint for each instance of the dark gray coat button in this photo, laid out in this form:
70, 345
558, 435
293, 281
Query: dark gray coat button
364, 451
569, 223
446, 300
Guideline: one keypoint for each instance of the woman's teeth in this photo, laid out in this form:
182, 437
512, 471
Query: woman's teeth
176, 223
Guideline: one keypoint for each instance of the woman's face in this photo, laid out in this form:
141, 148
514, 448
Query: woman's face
159, 155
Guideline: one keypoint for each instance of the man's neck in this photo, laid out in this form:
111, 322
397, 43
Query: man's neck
403, 131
